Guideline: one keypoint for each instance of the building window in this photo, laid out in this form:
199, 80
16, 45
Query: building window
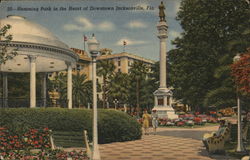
168, 101
119, 69
119, 63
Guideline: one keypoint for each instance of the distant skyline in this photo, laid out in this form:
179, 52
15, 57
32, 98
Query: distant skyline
111, 21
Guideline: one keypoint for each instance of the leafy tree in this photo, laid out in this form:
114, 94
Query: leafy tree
82, 90
150, 85
118, 88
138, 73
208, 27
105, 69
224, 95
59, 84
241, 73
5, 38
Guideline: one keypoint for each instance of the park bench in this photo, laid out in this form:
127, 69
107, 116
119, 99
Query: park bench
214, 143
59, 139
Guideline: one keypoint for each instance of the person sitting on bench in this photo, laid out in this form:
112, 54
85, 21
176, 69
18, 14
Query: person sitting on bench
221, 129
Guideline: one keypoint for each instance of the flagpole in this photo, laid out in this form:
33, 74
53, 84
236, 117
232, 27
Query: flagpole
84, 43
124, 45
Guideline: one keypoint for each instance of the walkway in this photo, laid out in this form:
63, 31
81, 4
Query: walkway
167, 144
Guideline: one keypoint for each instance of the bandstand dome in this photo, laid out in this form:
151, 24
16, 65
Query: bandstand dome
33, 40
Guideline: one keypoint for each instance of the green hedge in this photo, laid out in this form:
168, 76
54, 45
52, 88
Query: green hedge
113, 126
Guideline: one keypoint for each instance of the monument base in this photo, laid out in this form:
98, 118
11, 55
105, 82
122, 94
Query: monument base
165, 112
163, 103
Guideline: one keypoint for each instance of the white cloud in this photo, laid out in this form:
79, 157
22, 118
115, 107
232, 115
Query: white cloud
142, 4
137, 24
130, 42
106, 26
84, 24
87, 25
174, 34
72, 27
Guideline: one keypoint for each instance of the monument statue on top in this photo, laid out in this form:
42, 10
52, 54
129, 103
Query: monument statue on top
161, 12
163, 95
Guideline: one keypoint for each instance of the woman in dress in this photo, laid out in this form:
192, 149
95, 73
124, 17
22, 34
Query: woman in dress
146, 119
154, 117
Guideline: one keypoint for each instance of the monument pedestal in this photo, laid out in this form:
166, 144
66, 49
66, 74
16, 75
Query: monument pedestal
163, 101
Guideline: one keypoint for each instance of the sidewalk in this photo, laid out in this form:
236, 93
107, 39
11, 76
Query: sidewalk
167, 144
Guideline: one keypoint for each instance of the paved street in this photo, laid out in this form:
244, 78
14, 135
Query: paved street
167, 144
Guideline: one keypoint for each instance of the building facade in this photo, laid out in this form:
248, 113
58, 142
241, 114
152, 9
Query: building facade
122, 61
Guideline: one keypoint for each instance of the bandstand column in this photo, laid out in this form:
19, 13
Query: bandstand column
44, 89
5, 90
69, 85
32, 81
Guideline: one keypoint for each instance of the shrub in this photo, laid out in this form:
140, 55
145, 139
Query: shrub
113, 125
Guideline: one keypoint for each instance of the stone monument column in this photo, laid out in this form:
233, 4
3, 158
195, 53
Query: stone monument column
163, 94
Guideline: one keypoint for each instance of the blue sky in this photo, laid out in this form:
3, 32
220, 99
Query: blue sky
137, 27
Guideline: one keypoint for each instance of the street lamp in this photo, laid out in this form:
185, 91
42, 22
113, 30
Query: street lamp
116, 102
240, 147
93, 46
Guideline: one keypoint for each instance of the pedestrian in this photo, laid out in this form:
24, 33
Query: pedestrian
145, 120
154, 117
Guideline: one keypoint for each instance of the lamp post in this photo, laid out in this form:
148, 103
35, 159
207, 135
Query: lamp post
240, 147
93, 46
116, 102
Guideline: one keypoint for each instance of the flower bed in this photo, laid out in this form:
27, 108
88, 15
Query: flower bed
44, 155
21, 146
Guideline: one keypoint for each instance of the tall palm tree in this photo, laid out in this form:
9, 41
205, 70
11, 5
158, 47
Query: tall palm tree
82, 90
138, 72
118, 88
105, 69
